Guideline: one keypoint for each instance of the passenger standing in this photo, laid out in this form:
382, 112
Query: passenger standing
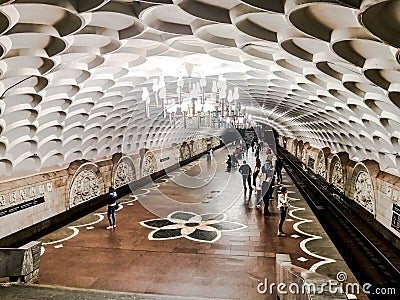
278, 169
270, 155
267, 168
112, 205
258, 162
255, 174
258, 189
267, 190
245, 170
283, 205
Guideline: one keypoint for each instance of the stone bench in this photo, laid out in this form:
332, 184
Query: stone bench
302, 284
21, 264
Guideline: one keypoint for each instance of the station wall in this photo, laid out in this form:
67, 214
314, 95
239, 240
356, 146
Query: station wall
371, 192
34, 199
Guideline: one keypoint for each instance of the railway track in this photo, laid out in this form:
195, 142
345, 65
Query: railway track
372, 259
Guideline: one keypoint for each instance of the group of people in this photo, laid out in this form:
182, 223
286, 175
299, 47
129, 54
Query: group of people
264, 187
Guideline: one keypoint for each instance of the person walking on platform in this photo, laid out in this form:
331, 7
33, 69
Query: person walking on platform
245, 170
283, 205
112, 205
267, 190
267, 169
278, 169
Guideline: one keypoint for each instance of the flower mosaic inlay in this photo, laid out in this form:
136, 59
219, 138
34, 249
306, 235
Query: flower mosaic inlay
200, 228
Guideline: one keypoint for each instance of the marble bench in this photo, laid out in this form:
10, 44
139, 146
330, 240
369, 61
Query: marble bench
21, 264
302, 284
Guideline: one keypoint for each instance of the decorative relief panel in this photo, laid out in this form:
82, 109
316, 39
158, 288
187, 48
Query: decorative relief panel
197, 147
299, 151
185, 152
214, 142
289, 146
87, 183
364, 191
337, 174
321, 166
311, 159
124, 172
204, 141
304, 155
149, 165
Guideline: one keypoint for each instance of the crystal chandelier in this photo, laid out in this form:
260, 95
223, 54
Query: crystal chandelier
195, 104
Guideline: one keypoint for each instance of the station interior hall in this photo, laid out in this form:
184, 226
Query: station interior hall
157, 105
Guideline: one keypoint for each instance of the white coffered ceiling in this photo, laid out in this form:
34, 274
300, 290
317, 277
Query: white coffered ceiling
72, 73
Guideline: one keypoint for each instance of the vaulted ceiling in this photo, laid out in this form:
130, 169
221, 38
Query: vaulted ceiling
73, 72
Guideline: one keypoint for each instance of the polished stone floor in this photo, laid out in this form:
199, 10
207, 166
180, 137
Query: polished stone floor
190, 234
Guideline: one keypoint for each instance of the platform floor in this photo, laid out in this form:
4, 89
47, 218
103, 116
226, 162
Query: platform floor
227, 261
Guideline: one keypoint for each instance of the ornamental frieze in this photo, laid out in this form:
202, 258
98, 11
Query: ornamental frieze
364, 191
337, 175
87, 183
321, 166
304, 155
124, 172
149, 165
185, 152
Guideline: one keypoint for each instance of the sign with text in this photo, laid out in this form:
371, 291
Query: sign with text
24, 197
396, 217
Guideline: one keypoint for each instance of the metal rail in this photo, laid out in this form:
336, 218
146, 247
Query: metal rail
329, 204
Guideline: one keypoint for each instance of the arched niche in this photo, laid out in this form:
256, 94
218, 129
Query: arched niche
124, 172
205, 144
294, 147
336, 174
320, 164
185, 151
280, 141
289, 145
86, 183
149, 164
198, 146
191, 146
362, 188
304, 153
299, 150
215, 141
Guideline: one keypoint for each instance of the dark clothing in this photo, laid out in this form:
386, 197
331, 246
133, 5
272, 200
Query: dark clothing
283, 211
229, 162
258, 162
111, 215
111, 198
267, 191
245, 170
267, 169
278, 170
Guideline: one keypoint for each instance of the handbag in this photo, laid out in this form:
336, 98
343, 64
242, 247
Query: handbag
117, 206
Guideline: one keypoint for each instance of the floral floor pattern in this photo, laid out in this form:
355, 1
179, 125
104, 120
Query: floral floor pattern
206, 228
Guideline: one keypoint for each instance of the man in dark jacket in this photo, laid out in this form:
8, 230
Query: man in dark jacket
245, 170
267, 190
278, 169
